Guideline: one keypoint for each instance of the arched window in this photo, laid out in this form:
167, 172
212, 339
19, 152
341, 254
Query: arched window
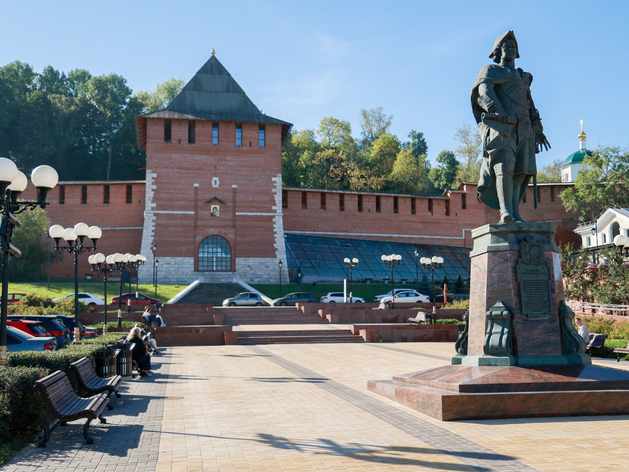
615, 230
215, 254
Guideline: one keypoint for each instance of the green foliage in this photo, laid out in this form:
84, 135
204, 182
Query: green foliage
458, 285
444, 175
448, 321
373, 123
416, 144
458, 305
601, 184
161, 96
33, 304
469, 153
28, 238
550, 173
410, 173
424, 285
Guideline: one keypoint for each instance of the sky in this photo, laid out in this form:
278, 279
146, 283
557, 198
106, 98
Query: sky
301, 61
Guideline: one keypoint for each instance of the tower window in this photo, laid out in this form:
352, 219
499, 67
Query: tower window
360, 203
395, 205
377, 203
261, 136
323, 195
447, 207
463, 201
106, 194
62, 194
214, 254
215, 134
83, 193
413, 206
304, 200
342, 202
191, 132
430, 206
552, 193
238, 135
167, 130
284, 199
129, 194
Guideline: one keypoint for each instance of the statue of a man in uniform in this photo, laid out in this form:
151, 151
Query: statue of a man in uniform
510, 127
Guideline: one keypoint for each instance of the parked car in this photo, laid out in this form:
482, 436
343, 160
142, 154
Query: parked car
86, 298
51, 324
14, 297
18, 340
411, 296
338, 297
293, 298
141, 300
69, 322
377, 298
244, 299
34, 328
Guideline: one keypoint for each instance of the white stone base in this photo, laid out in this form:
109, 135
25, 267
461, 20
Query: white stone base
180, 270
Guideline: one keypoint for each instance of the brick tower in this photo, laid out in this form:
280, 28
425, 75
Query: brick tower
213, 184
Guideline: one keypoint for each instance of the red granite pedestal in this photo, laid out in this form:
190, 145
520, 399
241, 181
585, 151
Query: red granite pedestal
522, 357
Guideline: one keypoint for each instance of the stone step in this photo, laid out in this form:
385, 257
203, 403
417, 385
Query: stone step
276, 339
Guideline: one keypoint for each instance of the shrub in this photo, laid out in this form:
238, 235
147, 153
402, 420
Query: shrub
457, 305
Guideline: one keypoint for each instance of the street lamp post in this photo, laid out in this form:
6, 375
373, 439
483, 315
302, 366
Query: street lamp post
350, 265
12, 184
280, 264
416, 253
595, 250
391, 260
154, 250
104, 265
155, 266
432, 265
75, 237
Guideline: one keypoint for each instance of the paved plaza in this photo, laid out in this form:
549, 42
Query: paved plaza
306, 408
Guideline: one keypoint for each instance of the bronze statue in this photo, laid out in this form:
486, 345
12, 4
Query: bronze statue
510, 127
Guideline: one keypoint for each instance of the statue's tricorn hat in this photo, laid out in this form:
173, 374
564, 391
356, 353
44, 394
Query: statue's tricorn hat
501, 39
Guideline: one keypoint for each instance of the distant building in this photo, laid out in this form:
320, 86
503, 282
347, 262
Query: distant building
574, 163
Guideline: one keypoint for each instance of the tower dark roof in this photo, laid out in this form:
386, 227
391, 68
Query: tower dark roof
212, 94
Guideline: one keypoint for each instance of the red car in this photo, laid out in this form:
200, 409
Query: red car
139, 300
14, 297
34, 328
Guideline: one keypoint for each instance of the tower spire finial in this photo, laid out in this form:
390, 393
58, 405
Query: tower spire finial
213, 51
582, 137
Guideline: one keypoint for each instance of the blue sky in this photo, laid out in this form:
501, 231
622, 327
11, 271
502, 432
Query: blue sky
302, 61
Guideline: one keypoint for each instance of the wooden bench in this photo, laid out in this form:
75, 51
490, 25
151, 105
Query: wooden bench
419, 319
621, 350
65, 405
91, 383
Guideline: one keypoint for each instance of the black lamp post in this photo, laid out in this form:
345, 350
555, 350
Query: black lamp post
350, 265
432, 265
155, 266
12, 184
104, 265
154, 250
595, 250
75, 238
280, 264
391, 260
416, 269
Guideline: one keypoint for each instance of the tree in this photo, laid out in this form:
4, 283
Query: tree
550, 173
334, 132
373, 123
444, 175
29, 239
469, 153
410, 174
602, 183
417, 144
161, 96
382, 154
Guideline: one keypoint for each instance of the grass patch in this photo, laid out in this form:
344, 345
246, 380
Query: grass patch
62, 287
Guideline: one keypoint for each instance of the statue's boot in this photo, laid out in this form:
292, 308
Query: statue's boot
504, 188
518, 180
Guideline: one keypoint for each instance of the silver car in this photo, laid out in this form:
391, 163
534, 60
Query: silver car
244, 299
20, 341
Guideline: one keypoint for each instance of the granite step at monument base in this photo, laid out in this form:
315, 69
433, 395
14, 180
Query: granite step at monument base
458, 392
306, 336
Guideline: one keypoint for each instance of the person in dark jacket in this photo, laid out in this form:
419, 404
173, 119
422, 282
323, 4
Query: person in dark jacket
139, 353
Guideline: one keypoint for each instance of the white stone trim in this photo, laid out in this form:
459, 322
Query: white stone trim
379, 235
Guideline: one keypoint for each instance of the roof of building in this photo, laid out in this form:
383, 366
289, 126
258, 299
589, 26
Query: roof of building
212, 94
576, 157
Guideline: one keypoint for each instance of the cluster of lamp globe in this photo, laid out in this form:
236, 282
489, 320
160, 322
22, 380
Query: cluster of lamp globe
44, 177
70, 235
391, 258
427, 261
116, 259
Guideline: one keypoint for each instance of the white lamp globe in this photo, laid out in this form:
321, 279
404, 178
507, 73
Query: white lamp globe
69, 234
355, 261
346, 260
81, 229
99, 258
398, 257
435, 260
110, 259
132, 258
56, 231
118, 258
91, 259
8, 170
383, 257
18, 184
44, 177
94, 233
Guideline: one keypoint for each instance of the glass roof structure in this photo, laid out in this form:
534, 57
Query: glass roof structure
320, 258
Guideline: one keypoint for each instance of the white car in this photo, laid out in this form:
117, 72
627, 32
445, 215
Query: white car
377, 298
86, 298
338, 297
411, 296
245, 299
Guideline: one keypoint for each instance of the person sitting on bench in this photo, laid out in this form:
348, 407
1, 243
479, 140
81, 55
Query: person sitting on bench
148, 317
584, 332
139, 353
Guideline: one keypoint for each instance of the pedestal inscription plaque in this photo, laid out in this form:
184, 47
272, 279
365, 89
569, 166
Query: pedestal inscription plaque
533, 275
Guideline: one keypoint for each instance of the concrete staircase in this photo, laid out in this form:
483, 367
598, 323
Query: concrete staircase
212, 293
270, 315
